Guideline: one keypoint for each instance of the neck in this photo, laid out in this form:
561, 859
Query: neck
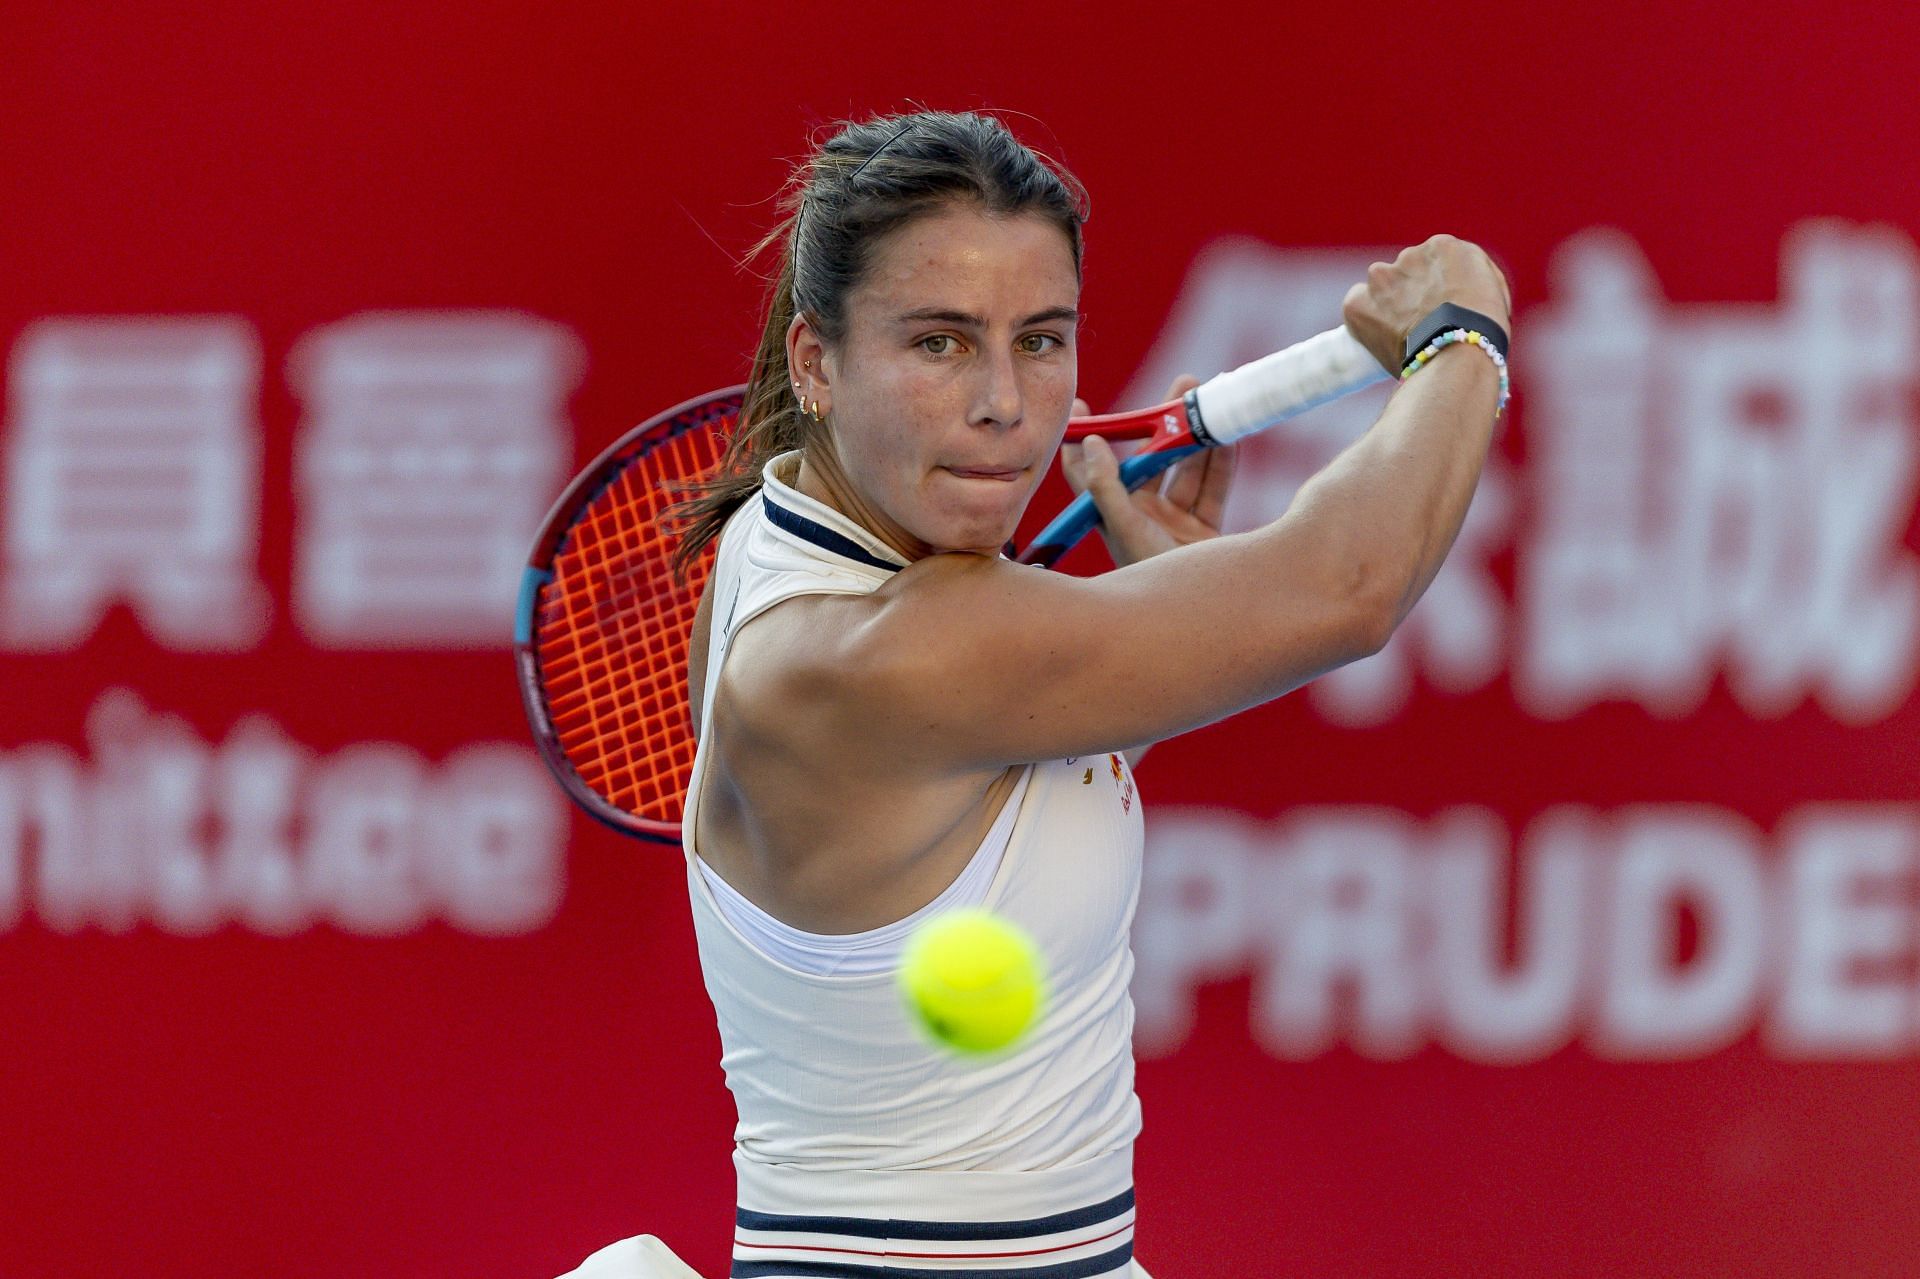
821, 479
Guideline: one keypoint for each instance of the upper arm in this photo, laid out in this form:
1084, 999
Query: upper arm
962, 661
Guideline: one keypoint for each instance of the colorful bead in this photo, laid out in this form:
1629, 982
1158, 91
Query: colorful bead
1469, 338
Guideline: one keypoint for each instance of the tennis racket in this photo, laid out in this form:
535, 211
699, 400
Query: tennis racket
601, 627
1226, 408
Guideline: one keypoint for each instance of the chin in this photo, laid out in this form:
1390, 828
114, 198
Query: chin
973, 535
991, 541
983, 517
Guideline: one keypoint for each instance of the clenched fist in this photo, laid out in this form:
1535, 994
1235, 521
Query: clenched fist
1382, 309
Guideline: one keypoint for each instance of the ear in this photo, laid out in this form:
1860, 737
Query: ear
808, 362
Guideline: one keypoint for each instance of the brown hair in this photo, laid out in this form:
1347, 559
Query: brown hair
865, 181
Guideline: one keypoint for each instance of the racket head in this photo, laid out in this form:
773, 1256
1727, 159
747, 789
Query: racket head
601, 628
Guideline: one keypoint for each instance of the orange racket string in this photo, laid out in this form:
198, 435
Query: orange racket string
612, 629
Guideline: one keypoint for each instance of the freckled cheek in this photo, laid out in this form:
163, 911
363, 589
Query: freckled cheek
862, 414
1052, 393
898, 405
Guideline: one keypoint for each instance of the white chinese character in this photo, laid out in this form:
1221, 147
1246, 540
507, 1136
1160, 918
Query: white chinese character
431, 447
1242, 300
132, 466
1724, 486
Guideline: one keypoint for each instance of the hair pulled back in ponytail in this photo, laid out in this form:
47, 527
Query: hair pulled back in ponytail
868, 179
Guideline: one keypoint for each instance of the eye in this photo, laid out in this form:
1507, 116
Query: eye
1039, 343
939, 344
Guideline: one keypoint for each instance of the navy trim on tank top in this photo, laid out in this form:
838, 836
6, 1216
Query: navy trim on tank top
1093, 1214
1106, 1263
820, 535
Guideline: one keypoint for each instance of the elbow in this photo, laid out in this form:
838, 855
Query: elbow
1371, 610
1374, 627
1368, 626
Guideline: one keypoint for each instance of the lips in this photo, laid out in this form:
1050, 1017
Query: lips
987, 472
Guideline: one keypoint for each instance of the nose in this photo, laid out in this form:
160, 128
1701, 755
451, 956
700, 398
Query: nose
997, 399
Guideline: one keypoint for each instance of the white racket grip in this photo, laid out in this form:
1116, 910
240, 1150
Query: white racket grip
1287, 383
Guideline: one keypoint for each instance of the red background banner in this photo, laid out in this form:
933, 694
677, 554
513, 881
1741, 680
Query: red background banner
307, 969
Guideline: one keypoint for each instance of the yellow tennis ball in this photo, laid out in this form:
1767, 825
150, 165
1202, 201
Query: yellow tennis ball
973, 980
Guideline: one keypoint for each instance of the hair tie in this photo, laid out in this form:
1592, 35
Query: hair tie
800, 217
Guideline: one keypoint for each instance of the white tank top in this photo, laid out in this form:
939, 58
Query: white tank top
877, 950
859, 1146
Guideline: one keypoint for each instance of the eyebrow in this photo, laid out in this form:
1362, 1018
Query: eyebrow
964, 319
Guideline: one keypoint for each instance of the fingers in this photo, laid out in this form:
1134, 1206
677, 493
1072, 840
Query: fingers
1135, 525
1181, 385
1379, 332
1072, 462
1199, 485
1169, 526
1355, 299
1210, 506
1181, 484
1158, 510
1395, 295
1101, 476
1073, 467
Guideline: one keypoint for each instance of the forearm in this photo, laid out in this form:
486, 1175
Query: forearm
1239, 620
1182, 638
1393, 502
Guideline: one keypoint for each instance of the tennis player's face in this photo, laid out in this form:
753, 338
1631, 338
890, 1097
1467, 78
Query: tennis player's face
952, 387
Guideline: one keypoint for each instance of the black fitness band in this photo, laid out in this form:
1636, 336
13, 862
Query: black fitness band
1444, 319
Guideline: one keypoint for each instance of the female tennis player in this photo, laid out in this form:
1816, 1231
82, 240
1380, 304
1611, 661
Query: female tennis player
896, 721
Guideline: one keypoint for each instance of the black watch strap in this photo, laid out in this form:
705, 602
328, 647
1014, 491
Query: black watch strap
1445, 318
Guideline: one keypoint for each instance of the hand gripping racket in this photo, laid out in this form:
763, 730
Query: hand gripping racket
601, 629
1226, 408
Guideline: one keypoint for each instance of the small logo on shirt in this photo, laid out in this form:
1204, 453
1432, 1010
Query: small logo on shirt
1121, 776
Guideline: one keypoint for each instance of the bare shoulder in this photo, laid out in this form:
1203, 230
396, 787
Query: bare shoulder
948, 607
836, 668
825, 805
963, 663
904, 675
797, 676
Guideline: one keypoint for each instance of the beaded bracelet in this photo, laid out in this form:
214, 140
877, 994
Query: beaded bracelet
1471, 338
1451, 315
